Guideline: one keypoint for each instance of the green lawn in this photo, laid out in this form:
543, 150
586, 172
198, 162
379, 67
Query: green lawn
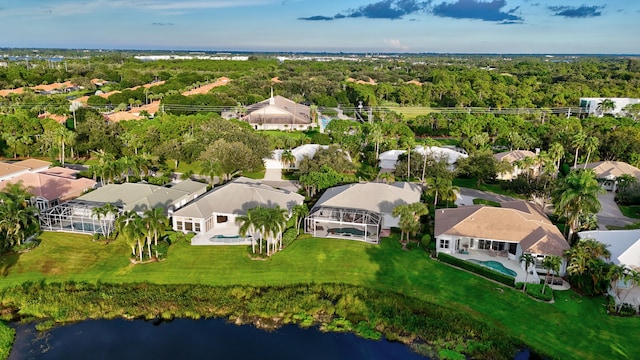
631, 211
494, 188
571, 328
411, 112
486, 202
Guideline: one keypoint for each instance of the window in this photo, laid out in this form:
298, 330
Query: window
188, 226
196, 227
179, 225
444, 244
221, 219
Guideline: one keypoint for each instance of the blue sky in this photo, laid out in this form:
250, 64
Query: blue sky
462, 26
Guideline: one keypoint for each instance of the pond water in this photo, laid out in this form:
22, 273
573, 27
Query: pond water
195, 339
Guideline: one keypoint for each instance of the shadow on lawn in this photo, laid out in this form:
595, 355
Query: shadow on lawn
7, 261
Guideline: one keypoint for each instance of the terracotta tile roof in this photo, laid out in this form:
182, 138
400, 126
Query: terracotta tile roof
516, 221
61, 172
54, 86
7, 92
32, 163
51, 187
58, 118
8, 169
205, 88
123, 116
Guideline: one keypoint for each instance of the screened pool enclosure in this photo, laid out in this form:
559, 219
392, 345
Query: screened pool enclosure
344, 223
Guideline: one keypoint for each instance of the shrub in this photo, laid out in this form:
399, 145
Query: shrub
535, 291
6, 339
425, 241
289, 236
627, 310
478, 269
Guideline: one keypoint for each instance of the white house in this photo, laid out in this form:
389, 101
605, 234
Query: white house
300, 152
361, 211
389, 159
212, 217
502, 233
591, 105
624, 246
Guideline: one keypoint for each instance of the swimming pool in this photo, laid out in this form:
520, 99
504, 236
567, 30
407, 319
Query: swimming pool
495, 265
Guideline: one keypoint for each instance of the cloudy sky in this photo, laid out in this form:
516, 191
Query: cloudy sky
463, 26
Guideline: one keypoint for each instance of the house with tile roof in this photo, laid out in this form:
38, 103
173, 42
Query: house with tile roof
504, 233
608, 172
212, 217
360, 211
77, 215
279, 113
49, 188
514, 158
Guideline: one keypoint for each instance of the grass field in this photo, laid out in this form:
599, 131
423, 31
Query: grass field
572, 327
410, 112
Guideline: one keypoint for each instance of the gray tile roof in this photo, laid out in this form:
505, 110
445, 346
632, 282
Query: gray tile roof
377, 197
239, 196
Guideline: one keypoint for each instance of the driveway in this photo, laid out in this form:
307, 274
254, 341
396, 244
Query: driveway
610, 213
466, 196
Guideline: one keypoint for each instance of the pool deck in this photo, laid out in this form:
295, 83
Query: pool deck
227, 238
483, 255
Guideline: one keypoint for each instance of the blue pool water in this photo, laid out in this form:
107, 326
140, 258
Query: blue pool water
495, 265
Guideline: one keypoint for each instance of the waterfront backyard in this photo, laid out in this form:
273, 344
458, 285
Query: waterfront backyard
571, 327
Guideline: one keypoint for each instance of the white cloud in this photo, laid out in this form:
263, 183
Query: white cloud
395, 45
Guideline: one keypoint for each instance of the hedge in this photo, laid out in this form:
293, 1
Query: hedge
478, 269
6, 339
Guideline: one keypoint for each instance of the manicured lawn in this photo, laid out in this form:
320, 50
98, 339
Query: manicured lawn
494, 188
486, 202
571, 328
631, 211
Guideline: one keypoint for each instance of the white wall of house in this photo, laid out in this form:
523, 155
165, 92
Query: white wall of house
388, 221
217, 222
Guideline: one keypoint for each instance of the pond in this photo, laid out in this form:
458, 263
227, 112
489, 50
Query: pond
195, 339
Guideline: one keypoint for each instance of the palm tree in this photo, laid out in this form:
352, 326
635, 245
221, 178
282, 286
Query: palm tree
63, 135
155, 222
274, 223
590, 144
409, 215
605, 106
615, 274
211, 169
98, 213
376, 136
528, 260
128, 165
248, 225
287, 159
552, 264
299, 212
128, 227
107, 210
577, 197
577, 142
439, 186
556, 152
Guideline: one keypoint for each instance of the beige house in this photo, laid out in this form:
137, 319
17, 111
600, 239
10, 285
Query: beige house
609, 171
279, 113
514, 158
504, 233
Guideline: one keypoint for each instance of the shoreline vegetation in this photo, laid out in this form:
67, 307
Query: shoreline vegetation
429, 329
555, 330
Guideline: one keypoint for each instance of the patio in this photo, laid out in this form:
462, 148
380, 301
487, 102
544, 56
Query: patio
486, 255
